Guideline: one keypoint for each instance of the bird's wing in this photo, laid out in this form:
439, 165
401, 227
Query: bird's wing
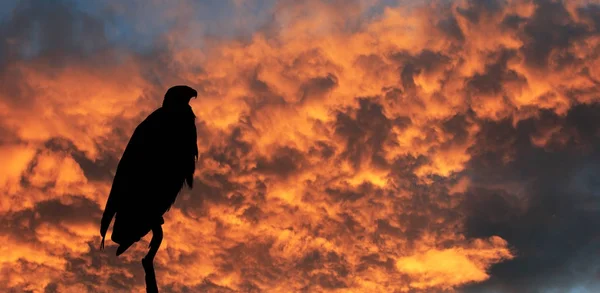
193, 146
132, 170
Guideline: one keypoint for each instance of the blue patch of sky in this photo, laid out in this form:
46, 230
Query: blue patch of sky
6, 8
585, 180
131, 27
32, 47
137, 24
376, 10
242, 20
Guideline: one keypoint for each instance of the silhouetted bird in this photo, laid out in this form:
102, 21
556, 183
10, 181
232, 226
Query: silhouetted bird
159, 159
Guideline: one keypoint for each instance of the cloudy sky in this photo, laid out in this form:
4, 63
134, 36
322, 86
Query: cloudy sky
346, 145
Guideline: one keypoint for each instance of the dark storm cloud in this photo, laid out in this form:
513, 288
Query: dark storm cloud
364, 130
426, 62
551, 29
100, 169
496, 76
450, 27
334, 270
206, 286
591, 13
458, 127
480, 9
315, 87
551, 218
23, 224
283, 162
233, 150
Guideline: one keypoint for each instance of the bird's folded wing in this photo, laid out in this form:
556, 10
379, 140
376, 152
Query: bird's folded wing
135, 172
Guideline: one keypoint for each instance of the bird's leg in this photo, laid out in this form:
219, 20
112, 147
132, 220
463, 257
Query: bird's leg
148, 260
157, 236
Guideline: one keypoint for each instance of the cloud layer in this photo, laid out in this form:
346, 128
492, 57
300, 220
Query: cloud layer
346, 145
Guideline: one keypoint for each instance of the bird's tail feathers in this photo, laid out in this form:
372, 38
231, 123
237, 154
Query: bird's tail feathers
102, 243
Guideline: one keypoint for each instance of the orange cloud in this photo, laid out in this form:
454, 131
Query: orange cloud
448, 268
335, 148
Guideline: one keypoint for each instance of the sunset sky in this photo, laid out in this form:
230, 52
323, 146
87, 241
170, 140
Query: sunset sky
345, 145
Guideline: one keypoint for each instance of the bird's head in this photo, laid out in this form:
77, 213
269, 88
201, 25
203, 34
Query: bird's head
179, 95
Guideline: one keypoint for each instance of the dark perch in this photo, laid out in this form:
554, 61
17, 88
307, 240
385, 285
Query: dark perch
148, 260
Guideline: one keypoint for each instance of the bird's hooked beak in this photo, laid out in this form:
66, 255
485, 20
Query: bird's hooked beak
193, 94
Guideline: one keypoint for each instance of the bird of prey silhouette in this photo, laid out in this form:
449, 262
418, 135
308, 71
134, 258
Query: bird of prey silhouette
158, 161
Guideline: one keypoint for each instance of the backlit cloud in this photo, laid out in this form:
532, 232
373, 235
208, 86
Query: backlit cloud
346, 146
